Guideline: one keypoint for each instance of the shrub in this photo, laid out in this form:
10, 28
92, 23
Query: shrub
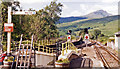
9, 59
63, 61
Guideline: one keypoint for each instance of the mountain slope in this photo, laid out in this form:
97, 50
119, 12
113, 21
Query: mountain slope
93, 21
108, 25
69, 19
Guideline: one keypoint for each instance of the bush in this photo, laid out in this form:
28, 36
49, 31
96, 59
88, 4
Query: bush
9, 59
63, 61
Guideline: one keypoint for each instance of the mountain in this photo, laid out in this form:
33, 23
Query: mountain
98, 14
69, 19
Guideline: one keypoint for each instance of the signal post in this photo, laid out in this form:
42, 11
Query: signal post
8, 27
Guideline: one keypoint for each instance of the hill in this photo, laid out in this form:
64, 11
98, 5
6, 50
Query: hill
103, 24
90, 21
69, 19
98, 14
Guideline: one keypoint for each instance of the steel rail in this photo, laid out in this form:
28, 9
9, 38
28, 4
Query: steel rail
110, 53
102, 58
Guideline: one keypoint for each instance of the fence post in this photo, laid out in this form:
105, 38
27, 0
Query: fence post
47, 42
66, 47
43, 48
33, 45
49, 50
62, 49
42, 42
27, 42
39, 42
52, 50
46, 49
39, 46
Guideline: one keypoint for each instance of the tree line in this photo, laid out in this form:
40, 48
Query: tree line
42, 24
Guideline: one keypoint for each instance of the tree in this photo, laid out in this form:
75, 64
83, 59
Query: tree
4, 6
15, 19
42, 25
96, 32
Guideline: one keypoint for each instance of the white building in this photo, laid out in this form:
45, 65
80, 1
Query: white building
111, 42
114, 42
117, 40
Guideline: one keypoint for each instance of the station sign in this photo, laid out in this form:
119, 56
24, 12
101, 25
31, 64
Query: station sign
8, 27
23, 12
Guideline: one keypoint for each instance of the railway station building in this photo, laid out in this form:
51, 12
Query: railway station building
117, 40
114, 42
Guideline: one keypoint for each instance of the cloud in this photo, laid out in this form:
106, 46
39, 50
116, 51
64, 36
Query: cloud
34, 1
75, 13
110, 1
65, 7
75, 7
40, 1
88, 8
105, 1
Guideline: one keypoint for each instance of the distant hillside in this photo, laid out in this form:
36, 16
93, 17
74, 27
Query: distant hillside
79, 23
98, 14
69, 19
106, 24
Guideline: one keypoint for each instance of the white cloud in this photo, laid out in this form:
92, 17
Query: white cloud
75, 13
34, 1
110, 8
75, 7
40, 1
88, 1
65, 7
110, 1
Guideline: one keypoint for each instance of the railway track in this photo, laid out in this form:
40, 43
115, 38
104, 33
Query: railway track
108, 58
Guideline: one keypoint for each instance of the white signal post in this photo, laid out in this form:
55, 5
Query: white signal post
9, 21
69, 38
9, 33
86, 39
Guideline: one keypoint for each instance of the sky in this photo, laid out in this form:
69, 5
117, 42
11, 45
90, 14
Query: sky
75, 7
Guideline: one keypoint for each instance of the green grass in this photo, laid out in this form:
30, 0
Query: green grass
70, 23
108, 27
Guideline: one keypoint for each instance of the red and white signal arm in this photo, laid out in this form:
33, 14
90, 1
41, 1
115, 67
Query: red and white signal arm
8, 27
68, 37
86, 36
